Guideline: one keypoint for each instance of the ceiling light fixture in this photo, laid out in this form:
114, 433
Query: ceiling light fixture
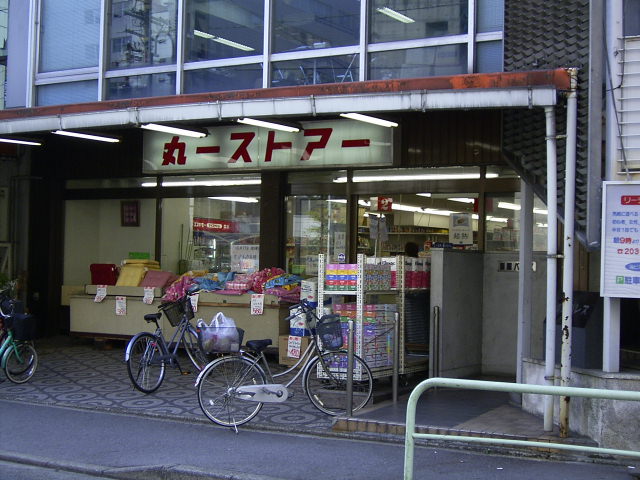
222, 40
20, 142
366, 118
237, 199
408, 178
86, 136
395, 15
202, 183
189, 132
263, 124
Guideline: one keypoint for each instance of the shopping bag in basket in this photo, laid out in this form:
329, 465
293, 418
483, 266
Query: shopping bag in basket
221, 335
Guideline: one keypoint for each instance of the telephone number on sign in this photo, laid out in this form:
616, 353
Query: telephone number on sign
629, 251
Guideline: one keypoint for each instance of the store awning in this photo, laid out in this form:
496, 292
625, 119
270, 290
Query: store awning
498, 90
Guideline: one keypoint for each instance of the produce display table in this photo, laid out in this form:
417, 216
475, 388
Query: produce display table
93, 319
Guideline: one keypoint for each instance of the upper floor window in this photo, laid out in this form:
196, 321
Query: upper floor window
306, 24
223, 29
395, 20
631, 18
142, 33
69, 34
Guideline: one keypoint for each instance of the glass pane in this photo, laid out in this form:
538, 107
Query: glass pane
503, 224
4, 24
306, 24
312, 71
154, 85
393, 20
489, 57
142, 33
315, 224
96, 183
60, 50
417, 220
490, 15
211, 234
63, 93
631, 18
223, 29
418, 62
241, 77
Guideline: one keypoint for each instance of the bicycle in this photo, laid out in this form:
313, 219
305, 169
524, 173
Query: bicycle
19, 356
147, 354
233, 388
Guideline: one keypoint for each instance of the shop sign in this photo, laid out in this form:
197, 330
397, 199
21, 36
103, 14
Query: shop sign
245, 258
381, 204
460, 229
338, 143
620, 259
216, 226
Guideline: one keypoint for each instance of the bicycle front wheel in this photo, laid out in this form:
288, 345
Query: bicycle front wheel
217, 387
144, 363
195, 354
21, 362
325, 383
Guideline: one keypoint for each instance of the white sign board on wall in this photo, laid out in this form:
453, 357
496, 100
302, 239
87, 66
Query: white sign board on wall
336, 143
620, 254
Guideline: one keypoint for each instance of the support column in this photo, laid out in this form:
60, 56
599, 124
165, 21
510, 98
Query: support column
525, 278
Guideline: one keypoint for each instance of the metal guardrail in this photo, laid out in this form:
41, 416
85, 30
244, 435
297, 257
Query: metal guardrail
411, 435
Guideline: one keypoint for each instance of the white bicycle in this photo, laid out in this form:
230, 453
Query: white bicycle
233, 388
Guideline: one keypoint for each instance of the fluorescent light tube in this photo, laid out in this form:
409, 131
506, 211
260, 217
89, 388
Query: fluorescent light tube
408, 178
86, 136
224, 41
237, 199
20, 142
173, 130
261, 123
395, 15
368, 119
202, 183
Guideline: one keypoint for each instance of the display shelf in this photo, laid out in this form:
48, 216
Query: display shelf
361, 293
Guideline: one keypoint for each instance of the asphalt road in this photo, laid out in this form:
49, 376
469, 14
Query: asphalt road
110, 445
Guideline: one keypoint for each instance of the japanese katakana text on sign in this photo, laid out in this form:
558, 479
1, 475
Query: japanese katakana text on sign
620, 269
318, 144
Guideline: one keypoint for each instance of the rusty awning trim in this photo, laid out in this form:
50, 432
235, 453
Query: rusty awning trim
457, 91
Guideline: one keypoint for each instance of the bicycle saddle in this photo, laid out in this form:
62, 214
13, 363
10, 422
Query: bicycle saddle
152, 317
258, 345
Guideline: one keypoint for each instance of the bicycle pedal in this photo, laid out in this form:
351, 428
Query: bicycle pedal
291, 394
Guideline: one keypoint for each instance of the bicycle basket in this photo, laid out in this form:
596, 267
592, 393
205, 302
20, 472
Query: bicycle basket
174, 311
23, 325
219, 339
329, 330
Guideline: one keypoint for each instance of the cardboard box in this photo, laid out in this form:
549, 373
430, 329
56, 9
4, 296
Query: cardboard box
283, 341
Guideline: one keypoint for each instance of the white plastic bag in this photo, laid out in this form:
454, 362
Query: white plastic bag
221, 335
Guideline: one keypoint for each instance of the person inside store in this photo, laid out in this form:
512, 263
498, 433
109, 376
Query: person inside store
411, 249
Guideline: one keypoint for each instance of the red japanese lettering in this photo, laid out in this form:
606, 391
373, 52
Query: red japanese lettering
242, 151
208, 149
361, 142
273, 145
170, 149
324, 134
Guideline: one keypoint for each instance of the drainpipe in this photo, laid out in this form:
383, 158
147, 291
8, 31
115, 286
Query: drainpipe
552, 261
567, 269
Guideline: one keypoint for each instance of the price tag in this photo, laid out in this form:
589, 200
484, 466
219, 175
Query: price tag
148, 295
121, 305
101, 293
194, 301
293, 346
257, 303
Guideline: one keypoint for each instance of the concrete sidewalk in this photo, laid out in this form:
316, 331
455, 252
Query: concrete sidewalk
122, 446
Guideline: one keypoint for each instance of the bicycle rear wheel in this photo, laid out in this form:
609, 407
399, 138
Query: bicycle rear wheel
217, 386
327, 387
21, 362
195, 354
145, 365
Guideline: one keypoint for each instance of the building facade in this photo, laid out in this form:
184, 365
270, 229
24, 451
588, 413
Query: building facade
472, 87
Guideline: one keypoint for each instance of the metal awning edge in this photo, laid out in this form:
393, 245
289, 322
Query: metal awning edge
421, 100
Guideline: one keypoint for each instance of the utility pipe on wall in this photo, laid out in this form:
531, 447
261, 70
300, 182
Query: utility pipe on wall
552, 261
567, 269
